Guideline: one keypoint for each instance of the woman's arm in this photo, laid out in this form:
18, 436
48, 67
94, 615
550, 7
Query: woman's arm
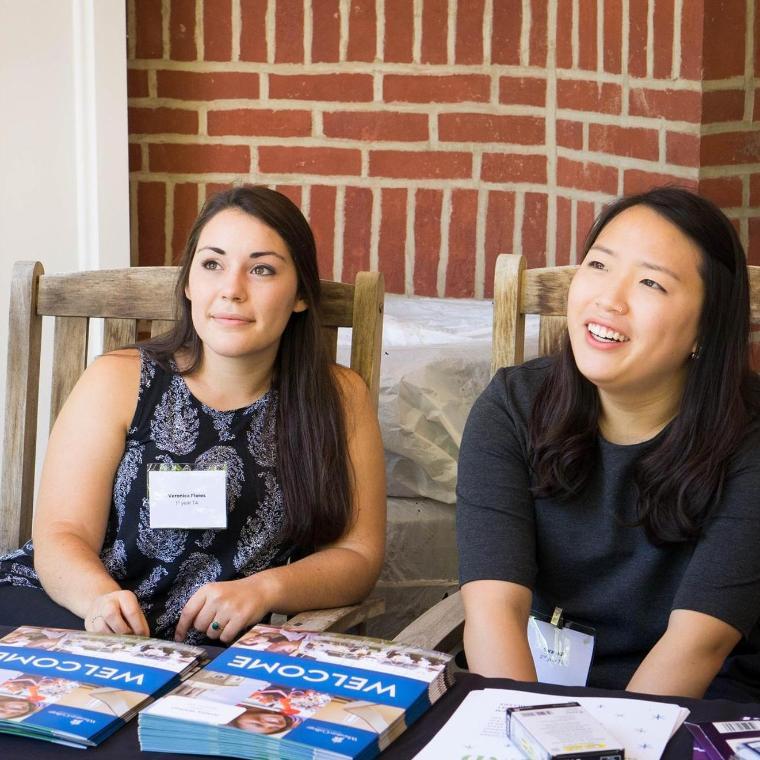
83, 453
341, 573
687, 657
495, 631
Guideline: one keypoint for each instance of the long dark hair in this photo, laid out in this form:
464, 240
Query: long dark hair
681, 478
311, 432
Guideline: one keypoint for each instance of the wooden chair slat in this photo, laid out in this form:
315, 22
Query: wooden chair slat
69, 360
118, 333
544, 291
148, 293
338, 618
508, 338
367, 333
21, 396
338, 303
160, 326
330, 336
754, 293
137, 293
551, 333
441, 627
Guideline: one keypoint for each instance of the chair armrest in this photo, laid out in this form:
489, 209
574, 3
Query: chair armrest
338, 618
441, 627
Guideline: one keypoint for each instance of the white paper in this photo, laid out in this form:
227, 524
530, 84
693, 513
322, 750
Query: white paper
477, 729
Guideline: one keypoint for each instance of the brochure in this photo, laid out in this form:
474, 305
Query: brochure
726, 739
282, 693
77, 688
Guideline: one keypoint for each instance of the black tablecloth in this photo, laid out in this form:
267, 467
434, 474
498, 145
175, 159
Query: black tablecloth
123, 745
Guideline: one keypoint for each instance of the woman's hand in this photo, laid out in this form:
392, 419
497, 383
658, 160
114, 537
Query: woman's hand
116, 612
232, 605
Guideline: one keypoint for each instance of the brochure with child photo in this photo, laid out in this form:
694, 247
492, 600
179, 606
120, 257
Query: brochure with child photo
287, 693
77, 688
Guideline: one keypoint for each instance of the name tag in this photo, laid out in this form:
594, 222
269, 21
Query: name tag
187, 497
562, 650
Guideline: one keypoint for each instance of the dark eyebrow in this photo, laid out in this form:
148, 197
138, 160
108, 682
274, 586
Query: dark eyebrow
645, 264
253, 255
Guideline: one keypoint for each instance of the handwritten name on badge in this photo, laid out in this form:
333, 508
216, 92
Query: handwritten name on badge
187, 498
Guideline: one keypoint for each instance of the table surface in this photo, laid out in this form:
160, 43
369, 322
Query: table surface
123, 745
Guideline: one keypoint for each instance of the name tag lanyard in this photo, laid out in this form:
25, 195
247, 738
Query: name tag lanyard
562, 649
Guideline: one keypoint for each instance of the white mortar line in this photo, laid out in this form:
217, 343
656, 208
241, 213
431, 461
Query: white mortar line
308, 31
374, 237
165, 29
525, 33
650, 38
380, 30
269, 24
443, 253
518, 222
551, 135
340, 218
487, 33
344, 10
749, 60
133, 231
624, 53
168, 222
200, 48
131, 33
677, 31
576, 34
417, 32
480, 242
409, 248
237, 30
573, 231
451, 33
306, 200
600, 8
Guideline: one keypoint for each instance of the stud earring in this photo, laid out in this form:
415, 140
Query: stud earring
695, 354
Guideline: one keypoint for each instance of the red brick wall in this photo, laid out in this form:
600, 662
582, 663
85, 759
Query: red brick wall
424, 137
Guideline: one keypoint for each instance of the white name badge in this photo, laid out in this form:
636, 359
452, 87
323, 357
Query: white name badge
187, 497
562, 650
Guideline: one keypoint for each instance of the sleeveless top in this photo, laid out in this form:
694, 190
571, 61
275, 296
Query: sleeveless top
164, 567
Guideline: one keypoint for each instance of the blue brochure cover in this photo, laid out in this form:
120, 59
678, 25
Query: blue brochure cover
76, 687
292, 693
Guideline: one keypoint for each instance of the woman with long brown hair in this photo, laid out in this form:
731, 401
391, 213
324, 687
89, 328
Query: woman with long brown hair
241, 386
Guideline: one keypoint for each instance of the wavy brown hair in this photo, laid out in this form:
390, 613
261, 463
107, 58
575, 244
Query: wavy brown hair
313, 464
680, 480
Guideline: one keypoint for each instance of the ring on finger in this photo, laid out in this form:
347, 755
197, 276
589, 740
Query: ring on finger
217, 626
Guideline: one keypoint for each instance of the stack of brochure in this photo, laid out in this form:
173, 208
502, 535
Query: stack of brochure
281, 693
77, 688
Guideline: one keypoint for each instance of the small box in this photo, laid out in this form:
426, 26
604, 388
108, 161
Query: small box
561, 732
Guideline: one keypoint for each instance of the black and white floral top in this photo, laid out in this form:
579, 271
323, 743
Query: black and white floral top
164, 567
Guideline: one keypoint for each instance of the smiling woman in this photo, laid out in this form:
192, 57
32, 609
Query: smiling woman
241, 387
618, 480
